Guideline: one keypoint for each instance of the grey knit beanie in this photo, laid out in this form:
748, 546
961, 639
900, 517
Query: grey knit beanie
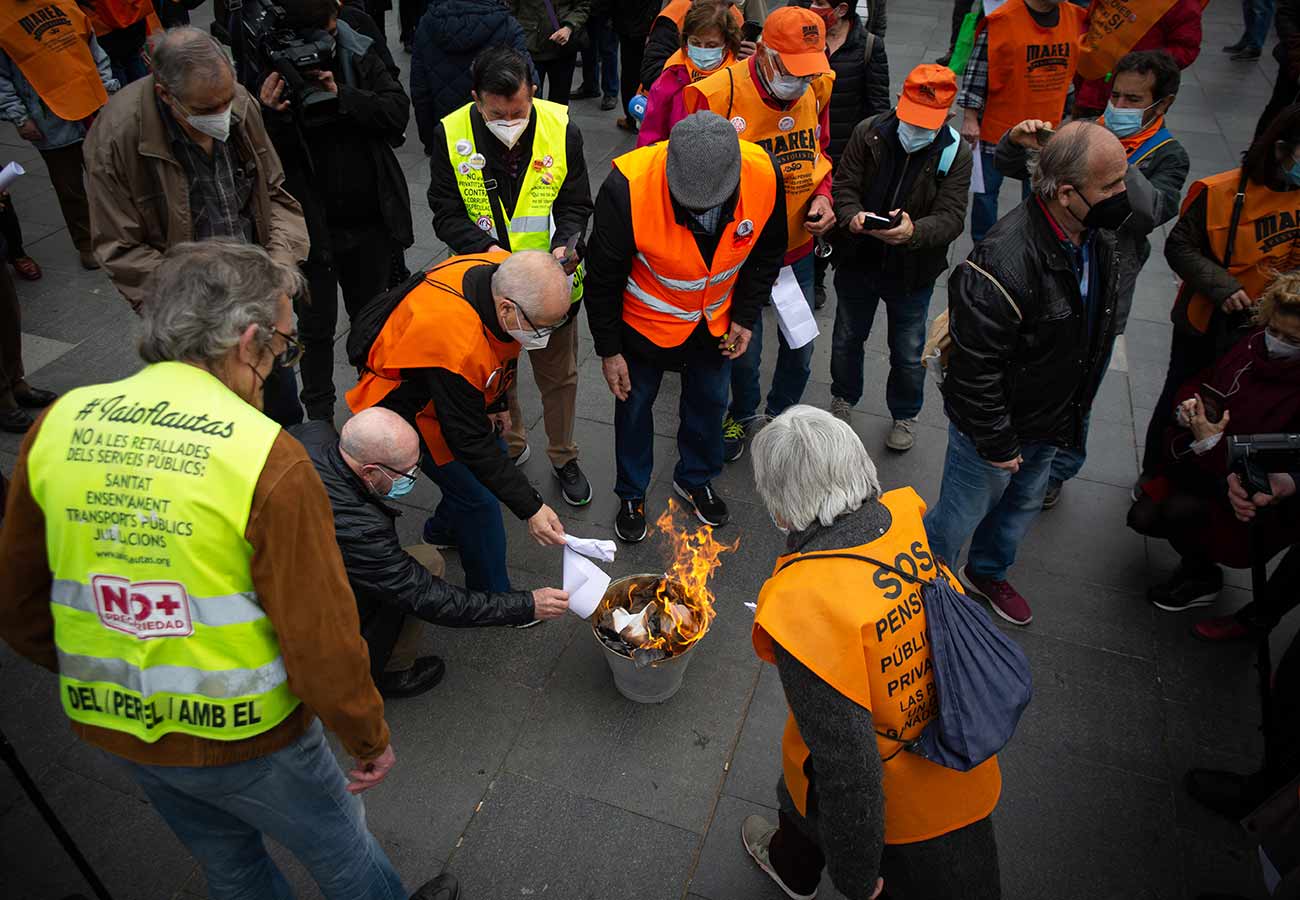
703, 161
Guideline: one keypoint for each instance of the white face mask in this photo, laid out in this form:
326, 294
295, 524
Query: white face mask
507, 131
1280, 349
527, 338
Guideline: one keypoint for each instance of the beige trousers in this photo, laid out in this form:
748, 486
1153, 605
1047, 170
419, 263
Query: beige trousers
556, 370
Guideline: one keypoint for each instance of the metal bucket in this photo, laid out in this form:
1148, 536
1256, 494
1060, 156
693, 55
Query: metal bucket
654, 683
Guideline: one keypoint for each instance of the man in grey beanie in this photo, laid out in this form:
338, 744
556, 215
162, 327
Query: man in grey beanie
686, 245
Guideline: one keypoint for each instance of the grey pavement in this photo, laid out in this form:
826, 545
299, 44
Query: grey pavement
527, 775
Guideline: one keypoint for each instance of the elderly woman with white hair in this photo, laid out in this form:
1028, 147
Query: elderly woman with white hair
846, 630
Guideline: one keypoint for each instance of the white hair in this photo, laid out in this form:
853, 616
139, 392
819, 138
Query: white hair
184, 56
811, 467
529, 278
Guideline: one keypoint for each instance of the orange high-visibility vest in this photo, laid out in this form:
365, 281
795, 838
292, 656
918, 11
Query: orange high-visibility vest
108, 16
1264, 247
678, 9
792, 136
50, 44
1030, 67
682, 58
862, 630
670, 289
1114, 26
435, 327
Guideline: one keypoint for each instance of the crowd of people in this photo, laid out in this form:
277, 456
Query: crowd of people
203, 500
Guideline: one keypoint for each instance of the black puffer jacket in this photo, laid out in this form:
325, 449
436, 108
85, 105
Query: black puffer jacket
1026, 372
447, 39
379, 570
861, 88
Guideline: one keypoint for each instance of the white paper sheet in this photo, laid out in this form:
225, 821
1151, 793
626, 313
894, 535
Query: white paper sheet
977, 172
9, 174
585, 581
793, 314
991, 6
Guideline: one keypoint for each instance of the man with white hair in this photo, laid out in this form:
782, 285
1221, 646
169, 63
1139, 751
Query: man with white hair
1033, 312
366, 469
168, 553
855, 666
443, 357
183, 155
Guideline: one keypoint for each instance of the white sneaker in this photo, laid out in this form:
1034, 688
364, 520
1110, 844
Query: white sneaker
901, 436
756, 833
841, 409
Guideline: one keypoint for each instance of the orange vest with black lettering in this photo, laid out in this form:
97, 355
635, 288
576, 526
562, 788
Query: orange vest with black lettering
435, 327
792, 136
108, 16
670, 289
862, 630
677, 10
1114, 26
1265, 245
50, 44
1030, 67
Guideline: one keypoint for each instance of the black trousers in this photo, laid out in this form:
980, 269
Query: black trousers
1188, 354
11, 339
280, 398
11, 230
960, 9
631, 47
1285, 91
362, 271
410, 13
557, 78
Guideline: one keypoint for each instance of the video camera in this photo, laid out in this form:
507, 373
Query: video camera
263, 41
1254, 456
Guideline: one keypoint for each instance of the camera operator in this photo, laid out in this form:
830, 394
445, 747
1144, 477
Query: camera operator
342, 168
1253, 389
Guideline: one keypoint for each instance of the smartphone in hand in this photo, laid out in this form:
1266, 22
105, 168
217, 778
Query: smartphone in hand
876, 222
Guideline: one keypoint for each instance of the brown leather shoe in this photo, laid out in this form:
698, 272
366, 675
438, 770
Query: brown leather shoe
27, 268
29, 397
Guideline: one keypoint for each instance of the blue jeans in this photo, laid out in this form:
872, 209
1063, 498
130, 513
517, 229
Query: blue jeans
602, 50
984, 207
472, 513
792, 366
996, 507
699, 432
1068, 463
855, 310
296, 796
1257, 16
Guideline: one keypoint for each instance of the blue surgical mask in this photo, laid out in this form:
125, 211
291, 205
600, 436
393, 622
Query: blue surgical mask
706, 58
1123, 122
402, 486
913, 138
1293, 174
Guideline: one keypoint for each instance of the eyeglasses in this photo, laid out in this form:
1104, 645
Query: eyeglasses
546, 331
411, 473
291, 354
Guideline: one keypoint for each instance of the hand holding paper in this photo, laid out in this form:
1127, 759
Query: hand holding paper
585, 581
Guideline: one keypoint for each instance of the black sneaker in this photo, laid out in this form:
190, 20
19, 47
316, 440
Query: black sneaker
733, 439
573, 484
1229, 794
709, 507
1237, 47
584, 92
607, 103
629, 526
943, 60
1187, 588
421, 677
1246, 54
523, 457
1053, 494
437, 538
444, 887
819, 296
529, 624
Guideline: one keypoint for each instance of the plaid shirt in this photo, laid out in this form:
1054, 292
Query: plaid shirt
975, 80
220, 189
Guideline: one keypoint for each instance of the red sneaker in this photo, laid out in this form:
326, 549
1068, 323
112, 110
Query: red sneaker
1220, 628
1005, 600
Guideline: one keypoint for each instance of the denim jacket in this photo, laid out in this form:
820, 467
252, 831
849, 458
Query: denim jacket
20, 102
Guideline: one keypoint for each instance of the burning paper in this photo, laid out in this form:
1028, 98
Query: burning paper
649, 617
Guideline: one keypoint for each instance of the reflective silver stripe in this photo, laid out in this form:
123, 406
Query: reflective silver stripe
232, 609
712, 309
659, 305
530, 224
674, 284
222, 685
725, 274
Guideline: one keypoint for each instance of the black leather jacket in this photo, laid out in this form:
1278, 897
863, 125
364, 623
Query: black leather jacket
1016, 378
379, 570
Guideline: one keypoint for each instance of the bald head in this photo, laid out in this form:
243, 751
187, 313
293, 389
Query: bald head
534, 281
1082, 165
379, 437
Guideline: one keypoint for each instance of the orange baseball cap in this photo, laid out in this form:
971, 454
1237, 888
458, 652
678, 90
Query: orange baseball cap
799, 36
928, 93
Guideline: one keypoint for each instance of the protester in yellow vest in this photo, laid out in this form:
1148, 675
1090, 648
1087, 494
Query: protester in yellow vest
849, 640
1021, 67
169, 553
54, 79
779, 99
508, 173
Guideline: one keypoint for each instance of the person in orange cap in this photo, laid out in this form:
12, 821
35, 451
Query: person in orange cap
779, 98
900, 198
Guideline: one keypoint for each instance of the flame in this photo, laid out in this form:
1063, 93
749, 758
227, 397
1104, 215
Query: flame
684, 592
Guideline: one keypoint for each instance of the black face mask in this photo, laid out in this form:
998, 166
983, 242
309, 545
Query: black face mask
1110, 213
